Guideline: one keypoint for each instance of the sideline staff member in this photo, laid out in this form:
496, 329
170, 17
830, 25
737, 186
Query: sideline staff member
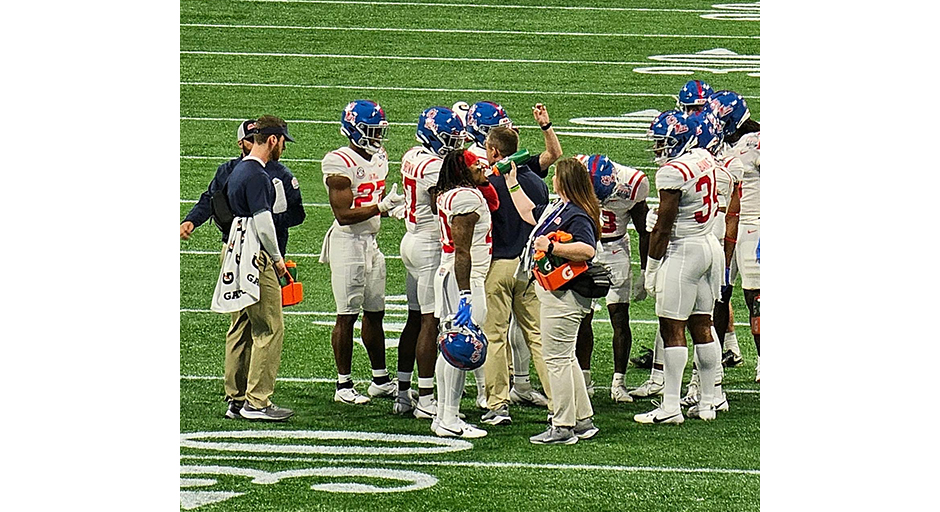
254, 340
577, 212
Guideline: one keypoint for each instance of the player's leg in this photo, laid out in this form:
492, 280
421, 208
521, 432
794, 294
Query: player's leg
408, 341
584, 347
708, 360
622, 343
752, 299
348, 279
749, 267
731, 356
373, 332
427, 259
675, 355
653, 385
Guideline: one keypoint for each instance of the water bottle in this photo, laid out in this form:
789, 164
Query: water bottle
518, 157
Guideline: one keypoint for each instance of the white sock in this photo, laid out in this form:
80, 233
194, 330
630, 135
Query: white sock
404, 381
587, 377
719, 372
676, 358
709, 359
342, 379
425, 382
379, 373
521, 382
617, 381
731, 343
479, 376
452, 389
657, 376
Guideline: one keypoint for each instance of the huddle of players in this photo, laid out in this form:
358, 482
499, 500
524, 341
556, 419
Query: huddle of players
448, 198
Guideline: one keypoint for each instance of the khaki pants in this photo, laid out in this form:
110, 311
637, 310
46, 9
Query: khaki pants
253, 342
561, 315
507, 295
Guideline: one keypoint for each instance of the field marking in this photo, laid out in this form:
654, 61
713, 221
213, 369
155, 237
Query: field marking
487, 6
438, 89
414, 58
198, 440
464, 31
415, 480
472, 464
328, 380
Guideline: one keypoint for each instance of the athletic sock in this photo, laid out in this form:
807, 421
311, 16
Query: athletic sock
426, 384
657, 376
380, 376
676, 358
731, 343
719, 372
479, 376
521, 382
344, 381
709, 358
404, 381
587, 377
617, 380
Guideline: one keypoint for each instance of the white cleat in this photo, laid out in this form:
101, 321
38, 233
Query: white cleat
702, 412
619, 394
693, 395
350, 396
461, 429
403, 404
530, 397
426, 413
481, 402
590, 389
648, 389
387, 390
722, 404
658, 415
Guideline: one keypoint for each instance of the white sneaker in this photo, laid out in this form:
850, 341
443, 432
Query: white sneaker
461, 429
702, 412
403, 404
722, 403
350, 396
658, 415
647, 389
425, 413
619, 394
693, 395
387, 390
530, 396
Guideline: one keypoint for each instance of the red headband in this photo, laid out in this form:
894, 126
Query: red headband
469, 158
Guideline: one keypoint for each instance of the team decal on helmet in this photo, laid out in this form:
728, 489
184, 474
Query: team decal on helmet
441, 130
363, 123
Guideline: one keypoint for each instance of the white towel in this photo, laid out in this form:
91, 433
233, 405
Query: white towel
325, 247
280, 198
237, 287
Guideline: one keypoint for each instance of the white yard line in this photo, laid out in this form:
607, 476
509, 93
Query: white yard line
464, 31
600, 129
473, 464
488, 6
417, 58
438, 89
332, 380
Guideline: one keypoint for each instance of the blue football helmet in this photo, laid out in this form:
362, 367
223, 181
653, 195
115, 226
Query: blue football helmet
730, 109
363, 122
484, 115
673, 133
693, 96
441, 130
709, 136
603, 175
464, 347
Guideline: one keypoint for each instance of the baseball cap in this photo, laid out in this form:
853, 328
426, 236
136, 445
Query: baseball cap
246, 129
277, 130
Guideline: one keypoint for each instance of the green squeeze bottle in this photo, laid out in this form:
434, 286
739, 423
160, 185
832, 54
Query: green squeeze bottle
518, 157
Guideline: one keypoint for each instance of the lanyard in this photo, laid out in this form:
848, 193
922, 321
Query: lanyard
548, 222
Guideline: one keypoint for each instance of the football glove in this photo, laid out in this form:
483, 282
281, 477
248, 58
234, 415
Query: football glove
398, 212
651, 217
652, 268
464, 310
726, 284
639, 287
391, 200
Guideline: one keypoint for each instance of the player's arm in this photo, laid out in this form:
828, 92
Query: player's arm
668, 210
638, 214
552, 146
732, 215
462, 231
341, 200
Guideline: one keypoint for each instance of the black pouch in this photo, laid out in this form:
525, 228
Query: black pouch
221, 212
593, 283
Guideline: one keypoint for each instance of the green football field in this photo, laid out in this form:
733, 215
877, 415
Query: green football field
601, 68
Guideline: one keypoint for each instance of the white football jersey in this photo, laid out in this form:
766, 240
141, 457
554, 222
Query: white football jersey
694, 175
367, 180
744, 163
419, 171
632, 187
464, 200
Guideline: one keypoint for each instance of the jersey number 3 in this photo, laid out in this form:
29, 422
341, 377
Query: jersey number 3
707, 181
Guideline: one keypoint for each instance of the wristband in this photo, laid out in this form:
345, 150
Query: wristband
546, 127
551, 247
732, 240
514, 188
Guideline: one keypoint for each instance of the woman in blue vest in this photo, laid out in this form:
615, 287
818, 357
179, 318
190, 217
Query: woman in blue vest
575, 213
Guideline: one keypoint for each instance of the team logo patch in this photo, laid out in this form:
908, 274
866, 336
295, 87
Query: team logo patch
557, 220
294, 183
429, 122
348, 114
228, 278
360, 172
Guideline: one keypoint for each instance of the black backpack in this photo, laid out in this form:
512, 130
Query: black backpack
593, 283
221, 211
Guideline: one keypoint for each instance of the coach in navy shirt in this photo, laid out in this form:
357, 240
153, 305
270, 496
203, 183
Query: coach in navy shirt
506, 295
293, 216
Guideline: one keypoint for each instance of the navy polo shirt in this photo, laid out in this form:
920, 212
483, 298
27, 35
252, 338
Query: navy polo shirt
510, 232
250, 190
570, 219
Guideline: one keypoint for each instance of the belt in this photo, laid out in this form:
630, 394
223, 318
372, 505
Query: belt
612, 239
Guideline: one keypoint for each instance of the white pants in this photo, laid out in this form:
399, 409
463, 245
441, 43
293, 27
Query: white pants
616, 257
746, 255
357, 268
421, 257
690, 277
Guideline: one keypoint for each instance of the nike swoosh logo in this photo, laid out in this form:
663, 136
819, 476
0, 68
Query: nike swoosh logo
455, 432
751, 231
615, 252
660, 420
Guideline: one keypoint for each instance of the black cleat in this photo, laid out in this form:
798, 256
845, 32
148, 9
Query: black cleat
730, 360
644, 360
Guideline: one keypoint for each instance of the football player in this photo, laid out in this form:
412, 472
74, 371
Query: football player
354, 177
684, 267
622, 192
440, 131
460, 297
693, 96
